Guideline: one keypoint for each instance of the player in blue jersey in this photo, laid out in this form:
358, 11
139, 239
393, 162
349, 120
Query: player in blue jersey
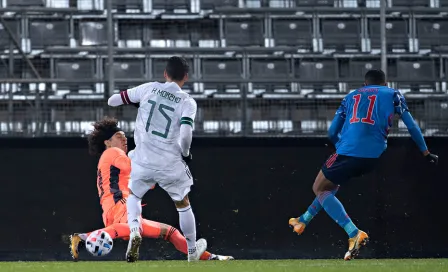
359, 130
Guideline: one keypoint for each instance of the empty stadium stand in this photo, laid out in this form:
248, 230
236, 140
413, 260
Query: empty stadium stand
278, 66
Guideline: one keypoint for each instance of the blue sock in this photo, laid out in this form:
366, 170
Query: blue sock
313, 209
336, 211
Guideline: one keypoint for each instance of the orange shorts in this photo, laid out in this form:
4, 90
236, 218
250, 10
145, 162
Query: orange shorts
116, 214
119, 214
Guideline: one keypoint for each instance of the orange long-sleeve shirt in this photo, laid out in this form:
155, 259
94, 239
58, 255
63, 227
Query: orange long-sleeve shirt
114, 169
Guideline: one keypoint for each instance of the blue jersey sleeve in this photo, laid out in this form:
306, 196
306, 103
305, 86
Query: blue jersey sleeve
338, 122
401, 108
400, 103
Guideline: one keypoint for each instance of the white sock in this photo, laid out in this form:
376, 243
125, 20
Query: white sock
134, 208
187, 224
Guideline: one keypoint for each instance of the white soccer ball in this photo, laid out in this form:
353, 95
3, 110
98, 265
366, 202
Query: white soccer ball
99, 243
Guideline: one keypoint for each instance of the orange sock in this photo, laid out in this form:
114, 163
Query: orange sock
178, 240
150, 229
117, 230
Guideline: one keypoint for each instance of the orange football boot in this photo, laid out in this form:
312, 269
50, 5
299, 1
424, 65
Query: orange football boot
298, 227
355, 243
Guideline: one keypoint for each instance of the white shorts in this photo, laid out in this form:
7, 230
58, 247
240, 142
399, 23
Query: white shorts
176, 181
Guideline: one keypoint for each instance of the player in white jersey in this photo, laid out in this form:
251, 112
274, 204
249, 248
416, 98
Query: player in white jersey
163, 134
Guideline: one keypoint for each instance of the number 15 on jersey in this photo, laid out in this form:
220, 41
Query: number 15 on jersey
162, 111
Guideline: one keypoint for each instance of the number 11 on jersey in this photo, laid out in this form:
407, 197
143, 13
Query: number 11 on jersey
368, 119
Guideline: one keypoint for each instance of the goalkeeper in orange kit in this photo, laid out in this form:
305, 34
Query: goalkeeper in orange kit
113, 174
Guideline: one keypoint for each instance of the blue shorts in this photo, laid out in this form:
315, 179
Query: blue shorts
339, 168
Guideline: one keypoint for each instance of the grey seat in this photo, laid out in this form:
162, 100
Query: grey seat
75, 69
293, 32
123, 5
42, 66
397, 34
261, 68
130, 30
93, 33
329, 3
316, 74
171, 5
244, 32
5, 40
221, 68
415, 70
341, 34
36, 3
432, 32
411, 3
125, 68
212, 4
316, 69
204, 33
168, 30
45, 33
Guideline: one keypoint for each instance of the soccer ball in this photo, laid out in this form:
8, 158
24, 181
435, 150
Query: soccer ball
99, 243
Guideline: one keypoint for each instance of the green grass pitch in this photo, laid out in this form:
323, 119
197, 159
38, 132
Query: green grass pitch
402, 265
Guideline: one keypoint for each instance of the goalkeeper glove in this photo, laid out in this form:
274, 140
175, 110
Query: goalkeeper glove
432, 158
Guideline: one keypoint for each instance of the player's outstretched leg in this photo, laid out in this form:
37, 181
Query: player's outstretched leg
187, 224
299, 224
134, 208
322, 187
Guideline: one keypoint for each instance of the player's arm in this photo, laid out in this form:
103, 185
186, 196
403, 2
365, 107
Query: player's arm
337, 123
187, 126
402, 110
122, 162
127, 97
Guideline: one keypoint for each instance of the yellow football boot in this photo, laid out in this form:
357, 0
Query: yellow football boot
75, 239
355, 243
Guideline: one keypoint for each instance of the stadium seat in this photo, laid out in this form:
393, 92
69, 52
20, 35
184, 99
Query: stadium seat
397, 34
93, 33
169, 33
418, 69
221, 68
244, 32
280, 3
77, 69
411, 3
316, 70
213, 4
5, 40
341, 34
45, 33
293, 32
204, 33
328, 3
125, 68
158, 67
130, 33
275, 68
35, 3
171, 5
123, 5
316, 74
432, 32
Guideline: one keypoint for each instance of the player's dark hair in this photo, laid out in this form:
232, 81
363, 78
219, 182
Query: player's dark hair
102, 130
375, 77
177, 68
